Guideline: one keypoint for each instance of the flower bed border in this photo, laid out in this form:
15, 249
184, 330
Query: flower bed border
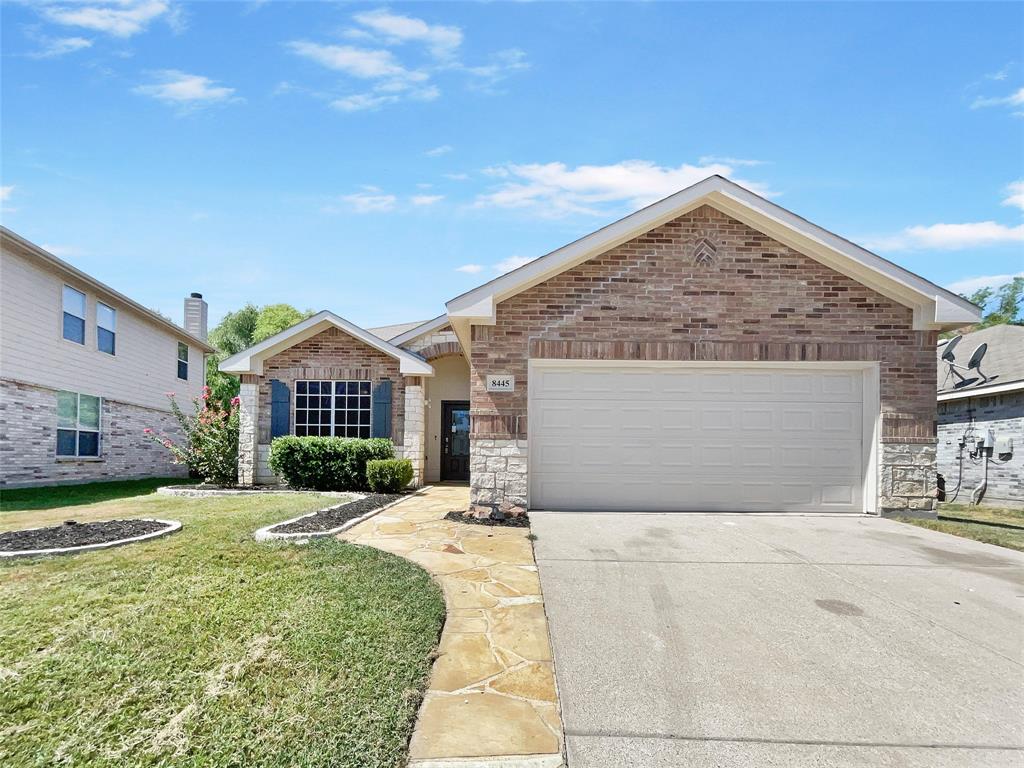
266, 533
172, 527
199, 492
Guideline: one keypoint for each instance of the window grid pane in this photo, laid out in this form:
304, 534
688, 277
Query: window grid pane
74, 302
338, 408
106, 317
78, 424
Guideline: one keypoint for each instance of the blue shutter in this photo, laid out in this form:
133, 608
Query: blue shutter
382, 409
280, 409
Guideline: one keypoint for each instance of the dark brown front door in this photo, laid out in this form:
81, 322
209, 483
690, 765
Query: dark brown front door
454, 440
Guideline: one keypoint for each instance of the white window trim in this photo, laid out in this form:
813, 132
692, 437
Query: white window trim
78, 428
84, 317
295, 403
113, 330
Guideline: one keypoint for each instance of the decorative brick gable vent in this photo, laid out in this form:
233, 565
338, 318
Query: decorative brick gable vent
705, 251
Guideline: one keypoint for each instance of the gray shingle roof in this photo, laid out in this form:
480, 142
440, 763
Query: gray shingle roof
1003, 363
388, 332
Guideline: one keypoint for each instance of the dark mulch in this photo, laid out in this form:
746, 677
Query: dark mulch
510, 522
72, 534
328, 519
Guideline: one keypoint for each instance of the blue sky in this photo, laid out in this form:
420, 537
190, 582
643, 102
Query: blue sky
377, 160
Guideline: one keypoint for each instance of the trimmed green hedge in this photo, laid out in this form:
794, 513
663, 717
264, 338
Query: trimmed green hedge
327, 463
388, 475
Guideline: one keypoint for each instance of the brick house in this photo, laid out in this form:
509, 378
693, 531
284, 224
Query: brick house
712, 351
84, 370
981, 419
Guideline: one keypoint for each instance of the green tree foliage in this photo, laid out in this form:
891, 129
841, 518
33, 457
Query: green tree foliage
239, 330
1001, 305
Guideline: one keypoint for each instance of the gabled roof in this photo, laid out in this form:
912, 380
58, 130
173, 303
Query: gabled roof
31, 249
389, 332
934, 307
1003, 363
420, 330
251, 360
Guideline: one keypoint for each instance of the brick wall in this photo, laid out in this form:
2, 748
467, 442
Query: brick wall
973, 417
28, 441
757, 299
330, 355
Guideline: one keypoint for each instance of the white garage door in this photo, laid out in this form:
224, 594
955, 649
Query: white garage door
639, 437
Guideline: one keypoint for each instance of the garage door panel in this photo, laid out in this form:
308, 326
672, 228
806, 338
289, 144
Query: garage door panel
730, 439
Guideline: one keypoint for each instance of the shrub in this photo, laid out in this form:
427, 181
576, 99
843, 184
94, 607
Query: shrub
211, 439
326, 463
388, 475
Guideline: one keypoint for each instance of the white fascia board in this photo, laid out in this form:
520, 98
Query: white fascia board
845, 257
251, 360
995, 389
420, 330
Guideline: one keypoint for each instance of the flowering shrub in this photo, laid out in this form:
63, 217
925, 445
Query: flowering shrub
211, 439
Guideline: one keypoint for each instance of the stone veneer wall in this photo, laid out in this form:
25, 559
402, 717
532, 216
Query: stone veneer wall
330, 354
413, 447
28, 441
662, 297
1004, 415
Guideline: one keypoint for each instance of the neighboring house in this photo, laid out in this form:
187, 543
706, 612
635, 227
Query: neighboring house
83, 370
712, 351
985, 409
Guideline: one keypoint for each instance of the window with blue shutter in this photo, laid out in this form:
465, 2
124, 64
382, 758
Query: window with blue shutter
280, 409
382, 409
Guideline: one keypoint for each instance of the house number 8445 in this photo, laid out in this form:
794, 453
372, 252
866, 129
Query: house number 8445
501, 382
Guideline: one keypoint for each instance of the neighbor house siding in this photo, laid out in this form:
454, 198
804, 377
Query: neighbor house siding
33, 350
649, 299
969, 419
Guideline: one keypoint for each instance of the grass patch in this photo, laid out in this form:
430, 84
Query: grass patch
206, 648
991, 525
47, 497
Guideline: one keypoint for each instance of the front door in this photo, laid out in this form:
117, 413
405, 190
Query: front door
454, 440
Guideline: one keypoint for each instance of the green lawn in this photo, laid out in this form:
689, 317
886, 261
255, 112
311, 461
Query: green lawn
18, 499
992, 525
205, 648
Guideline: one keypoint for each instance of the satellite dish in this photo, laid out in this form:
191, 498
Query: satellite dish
974, 364
947, 353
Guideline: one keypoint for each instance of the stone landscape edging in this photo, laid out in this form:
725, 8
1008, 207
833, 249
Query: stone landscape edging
266, 533
198, 492
172, 527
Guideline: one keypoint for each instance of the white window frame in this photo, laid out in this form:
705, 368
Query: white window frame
333, 410
182, 345
64, 311
79, 428
99, 326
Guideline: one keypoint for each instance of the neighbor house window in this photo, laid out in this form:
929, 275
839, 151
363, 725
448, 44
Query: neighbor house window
78, 424
332, 408
106, 328
183, 361
74, 315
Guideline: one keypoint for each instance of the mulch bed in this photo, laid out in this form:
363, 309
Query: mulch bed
328, 519
510, 522
72, 534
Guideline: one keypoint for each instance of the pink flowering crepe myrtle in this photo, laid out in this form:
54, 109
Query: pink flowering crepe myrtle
210, 448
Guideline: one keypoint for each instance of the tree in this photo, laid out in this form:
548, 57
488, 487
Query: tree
240, 330
1009, 303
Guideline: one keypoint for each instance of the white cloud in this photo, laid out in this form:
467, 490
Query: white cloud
1015, 99
554, 190
423, 200
120, 18
6, 192
444, 149
734, 161
370, 201
441, 40
470, 269
971, 284
949, 237
183, 89
358, 62
1015, 189
60, 46
512, 262
501, 65
362, 101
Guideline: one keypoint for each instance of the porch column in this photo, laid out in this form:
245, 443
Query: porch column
248, 419
414, 428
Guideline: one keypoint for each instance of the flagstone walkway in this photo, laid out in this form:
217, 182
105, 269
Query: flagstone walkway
492, 699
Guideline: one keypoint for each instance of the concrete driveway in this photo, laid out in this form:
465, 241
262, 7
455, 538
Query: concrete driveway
772, 640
